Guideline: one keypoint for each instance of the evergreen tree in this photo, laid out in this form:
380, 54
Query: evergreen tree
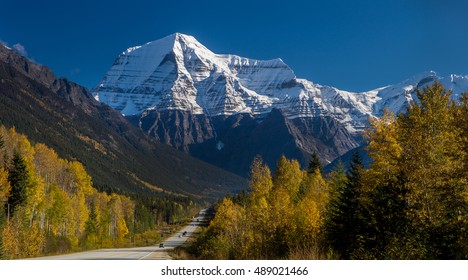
337, 180
92, 229
387, 226
19, 181
2, 146
2, 143
344, 223
314, 164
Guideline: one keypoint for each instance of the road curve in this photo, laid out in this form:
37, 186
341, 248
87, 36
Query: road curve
138, 253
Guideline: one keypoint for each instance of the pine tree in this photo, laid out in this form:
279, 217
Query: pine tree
2, 143
19, 180
315, 164
387, 226
2, 146
344, 223
337, 180
92, 228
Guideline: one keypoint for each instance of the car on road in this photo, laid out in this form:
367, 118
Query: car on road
161, 245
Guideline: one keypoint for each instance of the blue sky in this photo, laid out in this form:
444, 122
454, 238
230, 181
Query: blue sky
353, 45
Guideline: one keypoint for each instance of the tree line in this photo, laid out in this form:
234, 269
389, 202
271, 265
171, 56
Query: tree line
48, 205
410, 203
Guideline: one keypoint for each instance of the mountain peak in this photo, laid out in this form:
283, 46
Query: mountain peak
178, 72
169, 42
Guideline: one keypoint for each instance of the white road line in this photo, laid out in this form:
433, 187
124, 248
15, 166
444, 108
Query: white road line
147, 255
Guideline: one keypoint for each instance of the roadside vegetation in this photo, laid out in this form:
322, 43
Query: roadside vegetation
411, 203
48, 206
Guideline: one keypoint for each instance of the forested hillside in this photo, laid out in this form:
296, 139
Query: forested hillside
49, 205
66, 117
411, 203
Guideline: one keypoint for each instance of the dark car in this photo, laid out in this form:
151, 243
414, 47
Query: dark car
161, 245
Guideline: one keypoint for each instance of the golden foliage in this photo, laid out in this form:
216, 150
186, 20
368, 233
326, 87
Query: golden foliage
59, 196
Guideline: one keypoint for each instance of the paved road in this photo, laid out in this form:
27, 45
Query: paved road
137, 253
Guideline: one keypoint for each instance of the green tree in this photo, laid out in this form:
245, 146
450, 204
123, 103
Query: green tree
2, 146
387, 226
344, 222
19, 180
92, 228
336, 180
314, 164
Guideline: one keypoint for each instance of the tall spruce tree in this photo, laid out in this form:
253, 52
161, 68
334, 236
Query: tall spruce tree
2, 143
314, 164
2, 155
19, 180
344, 223
387, 226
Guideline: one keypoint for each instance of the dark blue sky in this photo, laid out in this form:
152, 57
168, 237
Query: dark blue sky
352, 45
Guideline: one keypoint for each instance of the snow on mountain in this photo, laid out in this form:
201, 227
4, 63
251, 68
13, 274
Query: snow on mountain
178, 72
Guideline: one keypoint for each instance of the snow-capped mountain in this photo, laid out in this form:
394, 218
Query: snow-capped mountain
178, 72
177, 78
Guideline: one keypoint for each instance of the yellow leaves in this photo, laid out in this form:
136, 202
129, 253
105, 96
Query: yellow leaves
225, 215
58, 197
10, 237
21, 240
82, 180
98, 146
122, 229
309, 217
260, 178
59, 212
434, 158
5, 186
384, 148
277, 215
288, 176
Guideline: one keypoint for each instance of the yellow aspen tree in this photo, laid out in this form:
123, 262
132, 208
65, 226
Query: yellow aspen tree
258, 207
46, 163
288, 176
308, 219
82, 180
5, 187
59, 212
10, 240
317, 189
431, 153
433, 163
384, 148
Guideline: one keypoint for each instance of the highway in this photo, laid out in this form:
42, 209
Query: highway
138, 253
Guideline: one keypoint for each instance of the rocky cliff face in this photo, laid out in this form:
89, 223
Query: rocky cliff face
184, 95
232, 141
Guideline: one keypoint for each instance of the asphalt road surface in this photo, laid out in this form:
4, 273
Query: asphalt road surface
137, 253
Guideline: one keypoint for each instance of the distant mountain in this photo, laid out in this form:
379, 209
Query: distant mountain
118, 156
184, 95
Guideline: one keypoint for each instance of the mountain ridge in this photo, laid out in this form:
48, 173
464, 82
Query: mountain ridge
119, 157
179, 73
182, 94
